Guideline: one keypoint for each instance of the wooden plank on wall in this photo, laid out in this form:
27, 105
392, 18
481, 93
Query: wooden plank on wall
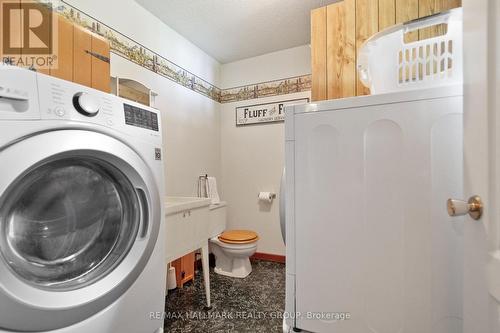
64, 69
386, 13
407, 10
341, 49
101, 77
347, 25
318, 54
429, 7
366, 26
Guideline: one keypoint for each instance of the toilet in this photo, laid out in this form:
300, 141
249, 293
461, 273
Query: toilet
232, 248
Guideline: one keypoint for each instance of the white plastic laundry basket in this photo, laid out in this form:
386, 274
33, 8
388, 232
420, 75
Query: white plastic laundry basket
386, 63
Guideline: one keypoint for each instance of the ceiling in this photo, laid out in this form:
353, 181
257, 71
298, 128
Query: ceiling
230, 30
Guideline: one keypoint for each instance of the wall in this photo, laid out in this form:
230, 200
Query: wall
191, 121
268, 67
200, 134
253, 156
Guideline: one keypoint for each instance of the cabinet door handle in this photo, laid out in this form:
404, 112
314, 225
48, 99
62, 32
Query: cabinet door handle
98, 56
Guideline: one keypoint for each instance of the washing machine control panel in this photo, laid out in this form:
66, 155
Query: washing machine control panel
68, 101
140, 117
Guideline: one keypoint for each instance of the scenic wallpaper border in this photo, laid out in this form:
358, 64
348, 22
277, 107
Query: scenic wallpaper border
142, 56
267, 89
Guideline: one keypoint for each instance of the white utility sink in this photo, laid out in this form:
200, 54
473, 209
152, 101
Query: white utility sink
187, 230
174, 205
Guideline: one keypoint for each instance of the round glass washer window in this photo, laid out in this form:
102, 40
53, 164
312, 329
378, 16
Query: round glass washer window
68, 222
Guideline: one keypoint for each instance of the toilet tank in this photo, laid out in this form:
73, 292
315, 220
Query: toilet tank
217, 218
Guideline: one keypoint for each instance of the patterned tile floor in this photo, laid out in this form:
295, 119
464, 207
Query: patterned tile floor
254, 304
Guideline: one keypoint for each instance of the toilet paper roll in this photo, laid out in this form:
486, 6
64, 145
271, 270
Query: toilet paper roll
266, 196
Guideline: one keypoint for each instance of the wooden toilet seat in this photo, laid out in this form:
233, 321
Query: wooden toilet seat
239, 237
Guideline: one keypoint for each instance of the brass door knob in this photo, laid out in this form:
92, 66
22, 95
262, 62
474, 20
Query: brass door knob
473, 207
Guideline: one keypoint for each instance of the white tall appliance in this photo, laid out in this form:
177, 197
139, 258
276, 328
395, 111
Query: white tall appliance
81, 232
370, 247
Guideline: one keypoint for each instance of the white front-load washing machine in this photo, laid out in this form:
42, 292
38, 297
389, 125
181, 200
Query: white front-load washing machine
81, 188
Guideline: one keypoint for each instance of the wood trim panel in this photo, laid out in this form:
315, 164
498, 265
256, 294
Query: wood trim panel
429, 7
366, 26
269, 257
318, 54
341, 49
386, 13
354, 21
407, 10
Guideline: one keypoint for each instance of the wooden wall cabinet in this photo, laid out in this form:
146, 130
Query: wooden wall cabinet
101, 76
82, 42
90, 69
66, 63
339, 30
184, 269
83, 57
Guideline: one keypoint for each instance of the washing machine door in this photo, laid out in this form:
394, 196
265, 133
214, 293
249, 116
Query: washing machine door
79, 218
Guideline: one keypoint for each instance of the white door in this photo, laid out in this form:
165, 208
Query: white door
482, 157
370, 185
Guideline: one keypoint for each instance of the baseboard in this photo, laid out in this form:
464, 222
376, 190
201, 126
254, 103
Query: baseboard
257, 255
268, 257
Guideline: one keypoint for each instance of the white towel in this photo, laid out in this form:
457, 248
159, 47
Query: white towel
212, 190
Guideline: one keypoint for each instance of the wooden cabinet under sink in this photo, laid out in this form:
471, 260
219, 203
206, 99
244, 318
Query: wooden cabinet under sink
184, 269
